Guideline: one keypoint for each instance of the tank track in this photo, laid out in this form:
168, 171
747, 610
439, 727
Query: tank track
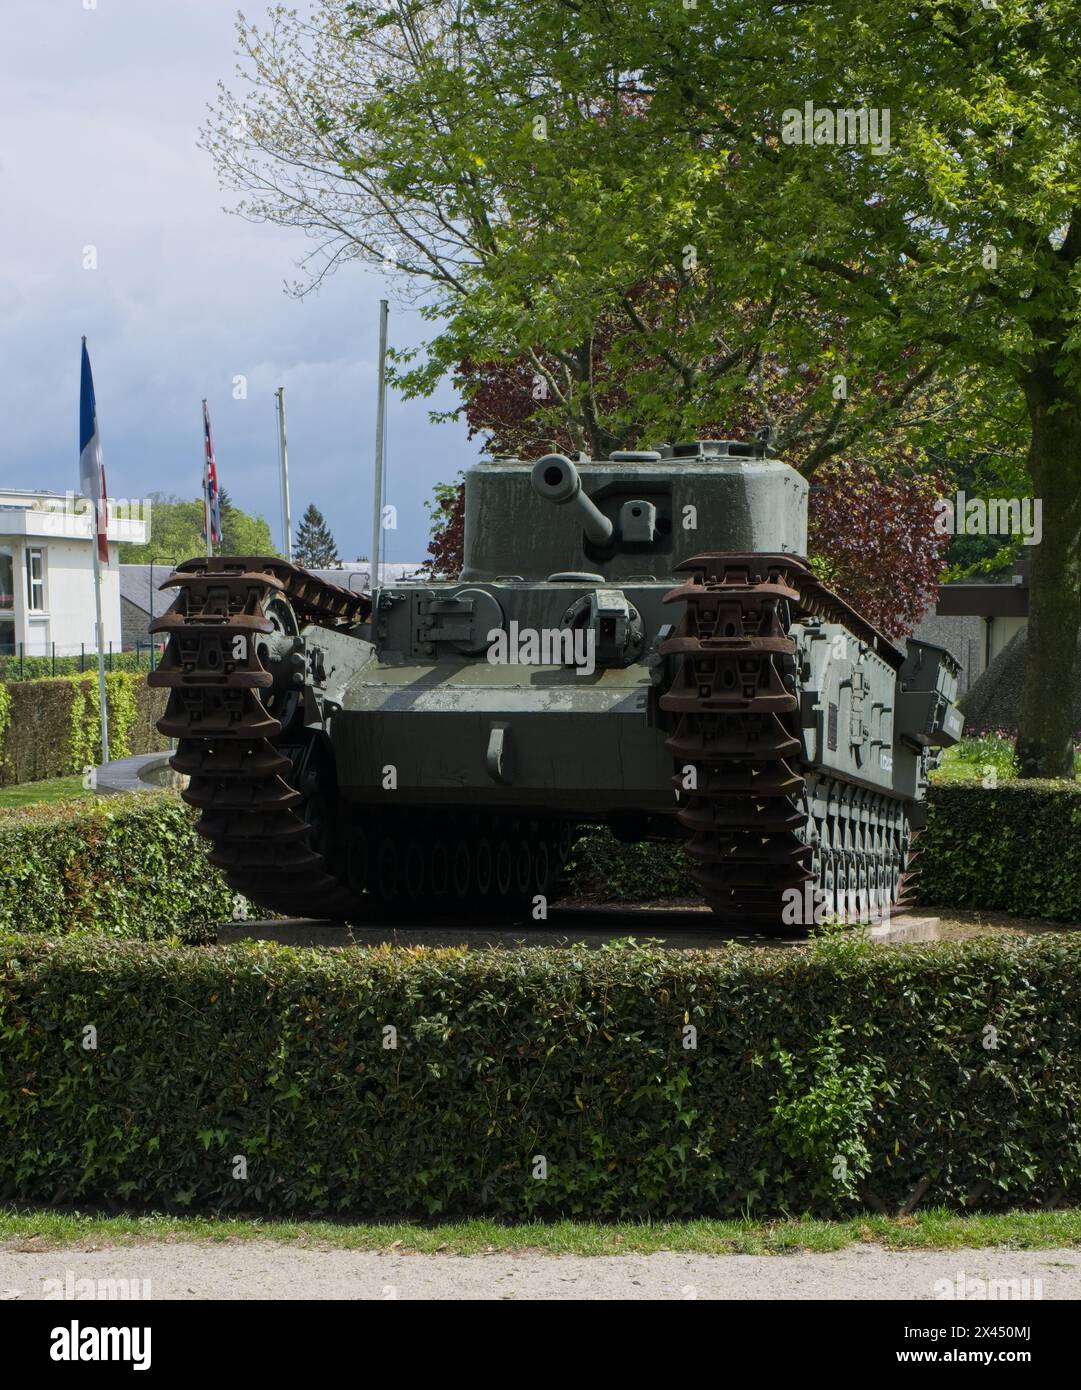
252, 775
760, 825
265, 785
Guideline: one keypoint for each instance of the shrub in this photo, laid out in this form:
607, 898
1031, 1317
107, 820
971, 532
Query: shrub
33, 668
1015, 847
604, 869
541, 1082
52, 727
135, 866
128, 866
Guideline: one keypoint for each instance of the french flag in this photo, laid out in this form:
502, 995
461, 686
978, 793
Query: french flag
91, 468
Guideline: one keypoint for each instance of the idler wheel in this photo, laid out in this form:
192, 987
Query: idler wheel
504, 868
439, 879
387, 869
542, 867
523, 868
275, 650
482, 867
462, 876
414, 870
356, 862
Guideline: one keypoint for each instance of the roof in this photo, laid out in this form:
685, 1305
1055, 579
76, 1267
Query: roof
135, 586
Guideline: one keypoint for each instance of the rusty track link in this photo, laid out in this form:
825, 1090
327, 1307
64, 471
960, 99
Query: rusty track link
753, 834
234, 677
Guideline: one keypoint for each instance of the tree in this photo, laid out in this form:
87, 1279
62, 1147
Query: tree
419, 137
176, 532
860, 221
241, 533
315, 547
447, 544
872, 538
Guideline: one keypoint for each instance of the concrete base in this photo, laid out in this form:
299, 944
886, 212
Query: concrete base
144, 772
904, 928
685, 929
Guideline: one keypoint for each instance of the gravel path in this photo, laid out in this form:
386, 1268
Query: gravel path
265, 1270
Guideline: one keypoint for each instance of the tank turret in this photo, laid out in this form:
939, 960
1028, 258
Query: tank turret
637, 512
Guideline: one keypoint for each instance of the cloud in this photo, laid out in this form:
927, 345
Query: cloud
99, 115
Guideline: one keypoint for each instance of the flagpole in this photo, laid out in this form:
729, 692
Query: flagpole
99, 626
206, 488
380, 424
283, 454
100, 632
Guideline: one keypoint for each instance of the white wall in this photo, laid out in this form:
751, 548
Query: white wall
61, 526
69, 596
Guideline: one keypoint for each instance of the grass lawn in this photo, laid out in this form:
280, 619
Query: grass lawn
976, 756
53, 789
934, 1229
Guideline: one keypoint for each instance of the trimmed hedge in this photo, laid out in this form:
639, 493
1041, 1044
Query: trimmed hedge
1012, 848
133, 866
541, 1082
32, 668
51, 728
1015, 848
130, 866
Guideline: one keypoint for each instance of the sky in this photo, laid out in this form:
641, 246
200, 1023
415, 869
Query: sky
100, 109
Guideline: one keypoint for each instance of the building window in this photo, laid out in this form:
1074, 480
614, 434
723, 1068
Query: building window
7, 603
35, 580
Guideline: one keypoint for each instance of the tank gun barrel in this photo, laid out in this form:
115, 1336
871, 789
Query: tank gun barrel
557, 480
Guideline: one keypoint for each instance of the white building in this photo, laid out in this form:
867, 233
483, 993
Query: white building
47, 572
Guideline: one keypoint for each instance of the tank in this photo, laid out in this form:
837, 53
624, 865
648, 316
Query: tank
635, 642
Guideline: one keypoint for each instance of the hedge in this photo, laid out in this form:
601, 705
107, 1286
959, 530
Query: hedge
1012, 848
32, 668
605, 870
133, 866
51, 728
395, 1083
126, 866
1015, 848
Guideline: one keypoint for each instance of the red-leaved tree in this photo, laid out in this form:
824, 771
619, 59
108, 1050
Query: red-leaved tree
871, 526
872, 538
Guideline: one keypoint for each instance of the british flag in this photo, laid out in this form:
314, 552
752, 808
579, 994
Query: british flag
211, 495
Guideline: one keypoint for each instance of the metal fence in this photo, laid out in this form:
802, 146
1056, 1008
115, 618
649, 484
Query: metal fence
17, 664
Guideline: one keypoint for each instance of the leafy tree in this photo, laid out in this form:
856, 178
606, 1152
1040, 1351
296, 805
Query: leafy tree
872, 519
447, 543
872, 538
176, 532
552, 176
241, 533
980, 557
315, 548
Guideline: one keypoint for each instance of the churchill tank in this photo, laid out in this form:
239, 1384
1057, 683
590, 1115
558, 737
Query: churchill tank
637, 642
